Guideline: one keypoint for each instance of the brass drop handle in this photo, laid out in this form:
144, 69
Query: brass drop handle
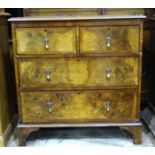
46, 40
48, 74
49, 104
108, 105
108, 73
108, 39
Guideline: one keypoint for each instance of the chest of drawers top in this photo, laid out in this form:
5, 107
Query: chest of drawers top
75, 18
77, 35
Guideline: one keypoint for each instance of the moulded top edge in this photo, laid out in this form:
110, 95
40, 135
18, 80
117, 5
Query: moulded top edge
71, 18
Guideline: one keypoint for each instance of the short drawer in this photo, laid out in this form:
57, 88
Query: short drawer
105, 39
79, 72
80, 106
56, 40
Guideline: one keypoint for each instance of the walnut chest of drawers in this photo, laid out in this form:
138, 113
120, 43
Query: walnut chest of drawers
78, 72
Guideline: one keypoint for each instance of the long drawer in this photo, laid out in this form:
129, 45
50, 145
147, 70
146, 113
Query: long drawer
78, 72
80, 106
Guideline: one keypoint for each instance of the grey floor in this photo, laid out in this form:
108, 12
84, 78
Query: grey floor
83, 137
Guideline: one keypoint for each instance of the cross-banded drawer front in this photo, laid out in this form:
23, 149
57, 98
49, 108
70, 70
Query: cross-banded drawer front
79, 72
80, 106
46, 40
103, 39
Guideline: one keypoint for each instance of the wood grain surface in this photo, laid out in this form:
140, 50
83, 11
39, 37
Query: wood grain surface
32, 41
78, 72
90, 73
78, 106
122, 39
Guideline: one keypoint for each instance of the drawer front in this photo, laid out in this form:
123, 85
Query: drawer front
109, 39
80, 106
82, 72
45, 40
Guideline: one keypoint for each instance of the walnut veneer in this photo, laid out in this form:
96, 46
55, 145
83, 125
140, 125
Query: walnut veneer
78, 71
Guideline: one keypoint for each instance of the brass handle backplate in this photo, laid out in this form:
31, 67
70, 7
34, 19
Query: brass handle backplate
46, 40
108, 73
48, 74
49, 104
108, 105
108, 39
